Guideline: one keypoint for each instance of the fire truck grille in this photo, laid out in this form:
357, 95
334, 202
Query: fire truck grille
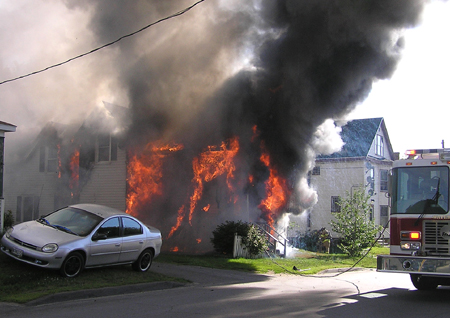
434, 243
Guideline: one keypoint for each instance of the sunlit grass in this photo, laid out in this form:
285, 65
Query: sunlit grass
304, 262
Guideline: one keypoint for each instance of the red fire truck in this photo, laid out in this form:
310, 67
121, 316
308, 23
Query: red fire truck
420, 219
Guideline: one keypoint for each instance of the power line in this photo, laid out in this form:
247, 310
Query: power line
105, 45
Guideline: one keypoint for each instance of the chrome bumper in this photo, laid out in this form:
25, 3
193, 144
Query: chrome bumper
414, 264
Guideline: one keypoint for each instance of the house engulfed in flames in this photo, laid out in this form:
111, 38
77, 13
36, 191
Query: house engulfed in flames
164, 183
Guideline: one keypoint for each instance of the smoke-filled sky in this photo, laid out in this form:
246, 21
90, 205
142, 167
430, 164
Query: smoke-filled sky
415, 101
213, 72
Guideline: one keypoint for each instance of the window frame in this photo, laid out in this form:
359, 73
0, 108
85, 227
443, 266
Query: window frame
379, 145
106, 151
335, 207
49, 159
384, 181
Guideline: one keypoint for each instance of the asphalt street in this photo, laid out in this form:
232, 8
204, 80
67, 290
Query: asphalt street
223, 293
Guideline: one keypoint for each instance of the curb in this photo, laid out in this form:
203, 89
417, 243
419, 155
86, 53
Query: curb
103, 292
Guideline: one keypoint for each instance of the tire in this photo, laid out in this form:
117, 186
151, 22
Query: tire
144, 261
73, 265
424, 282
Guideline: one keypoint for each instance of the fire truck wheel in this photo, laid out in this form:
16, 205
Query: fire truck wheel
424, 282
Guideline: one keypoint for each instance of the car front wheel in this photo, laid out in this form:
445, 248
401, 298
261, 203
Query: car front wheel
144, 261
72, 265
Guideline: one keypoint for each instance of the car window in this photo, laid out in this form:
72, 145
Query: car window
131, 227
78, 221
111, 228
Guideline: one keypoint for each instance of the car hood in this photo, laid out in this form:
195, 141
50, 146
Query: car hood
38, 234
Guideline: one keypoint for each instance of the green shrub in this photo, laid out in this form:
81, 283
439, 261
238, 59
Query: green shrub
223, 235
356, 231
255, 242
8, 220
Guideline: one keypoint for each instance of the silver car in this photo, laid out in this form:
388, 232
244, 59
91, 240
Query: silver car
83, 236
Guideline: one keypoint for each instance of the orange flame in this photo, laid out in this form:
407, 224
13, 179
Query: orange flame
199, 240
277, 190
255, 132
181, 213
209, 165
206, 208
58, 146
74, 170
145, 174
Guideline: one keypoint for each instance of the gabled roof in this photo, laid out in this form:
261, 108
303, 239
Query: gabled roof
358, 136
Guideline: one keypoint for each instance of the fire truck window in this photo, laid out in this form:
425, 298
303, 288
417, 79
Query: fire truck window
421, 190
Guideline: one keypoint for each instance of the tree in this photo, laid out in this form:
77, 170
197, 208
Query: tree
353, 224
255, 242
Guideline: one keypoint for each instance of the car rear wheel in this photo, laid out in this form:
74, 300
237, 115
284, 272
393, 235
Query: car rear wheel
144, 261
72, 265
424, 282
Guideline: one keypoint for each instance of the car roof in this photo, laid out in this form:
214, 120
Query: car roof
100, 210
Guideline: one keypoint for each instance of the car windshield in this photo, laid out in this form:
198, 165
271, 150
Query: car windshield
72, 220
420, 190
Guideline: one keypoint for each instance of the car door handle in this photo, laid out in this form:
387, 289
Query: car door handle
141, 242
118, 244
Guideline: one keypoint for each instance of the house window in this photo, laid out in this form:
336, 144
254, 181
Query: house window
48, 159
335, 207
27, 208
52, 159
379, 145
384, 215
107, 148
383, 180
316, 171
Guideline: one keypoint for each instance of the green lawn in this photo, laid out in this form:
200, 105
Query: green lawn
305, 262
21, 282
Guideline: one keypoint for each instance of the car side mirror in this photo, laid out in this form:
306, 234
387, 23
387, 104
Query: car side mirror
99, 236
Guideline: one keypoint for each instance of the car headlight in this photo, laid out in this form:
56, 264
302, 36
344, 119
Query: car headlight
8, 232
50, 248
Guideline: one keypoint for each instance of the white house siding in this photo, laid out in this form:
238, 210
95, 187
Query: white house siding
336, 179
107, 183
26, 181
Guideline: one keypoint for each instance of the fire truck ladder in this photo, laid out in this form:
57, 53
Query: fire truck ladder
273, 238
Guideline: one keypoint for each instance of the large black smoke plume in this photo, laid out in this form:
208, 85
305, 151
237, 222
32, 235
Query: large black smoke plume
228, 66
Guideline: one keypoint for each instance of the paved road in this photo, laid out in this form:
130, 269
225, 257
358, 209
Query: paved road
218, 293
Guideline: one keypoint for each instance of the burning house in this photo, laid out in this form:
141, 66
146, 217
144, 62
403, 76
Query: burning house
224, 103
67, 164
